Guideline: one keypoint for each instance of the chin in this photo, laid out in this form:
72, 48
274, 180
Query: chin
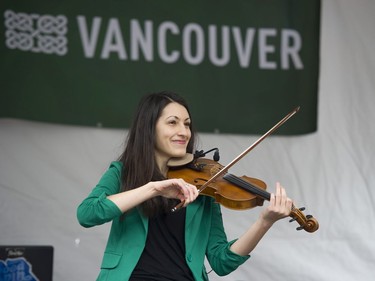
179, 154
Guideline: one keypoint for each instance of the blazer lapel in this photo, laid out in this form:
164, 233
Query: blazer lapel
191, 210
143, 219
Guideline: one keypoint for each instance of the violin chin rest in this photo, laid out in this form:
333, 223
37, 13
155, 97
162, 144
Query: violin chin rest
180, 161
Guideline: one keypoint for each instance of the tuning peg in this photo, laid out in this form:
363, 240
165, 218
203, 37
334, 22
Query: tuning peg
292, 220
299, 228
309, 216
302, 208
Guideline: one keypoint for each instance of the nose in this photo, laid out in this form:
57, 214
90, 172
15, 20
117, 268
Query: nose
184, 131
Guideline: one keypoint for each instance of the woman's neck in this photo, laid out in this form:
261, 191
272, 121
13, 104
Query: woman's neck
162, 164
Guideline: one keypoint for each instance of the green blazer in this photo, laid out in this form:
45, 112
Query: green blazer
204, 232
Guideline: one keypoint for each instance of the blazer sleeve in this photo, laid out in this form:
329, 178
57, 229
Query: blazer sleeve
96, 209
222, 260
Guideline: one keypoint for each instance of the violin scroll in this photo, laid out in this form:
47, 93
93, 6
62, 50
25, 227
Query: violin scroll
308, 223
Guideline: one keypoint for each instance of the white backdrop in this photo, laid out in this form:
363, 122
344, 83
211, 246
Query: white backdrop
46, 170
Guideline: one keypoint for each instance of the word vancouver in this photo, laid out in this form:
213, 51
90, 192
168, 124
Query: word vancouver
196, 44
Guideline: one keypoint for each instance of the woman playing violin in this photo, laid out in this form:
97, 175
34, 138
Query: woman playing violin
147, 241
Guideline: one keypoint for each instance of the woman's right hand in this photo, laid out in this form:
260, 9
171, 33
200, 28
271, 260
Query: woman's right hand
176, 188
170, 188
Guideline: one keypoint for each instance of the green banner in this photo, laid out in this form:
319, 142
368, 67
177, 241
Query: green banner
242, 65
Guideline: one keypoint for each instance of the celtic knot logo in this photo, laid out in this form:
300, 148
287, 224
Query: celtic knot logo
36, 33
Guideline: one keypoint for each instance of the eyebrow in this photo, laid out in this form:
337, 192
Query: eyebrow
176, 117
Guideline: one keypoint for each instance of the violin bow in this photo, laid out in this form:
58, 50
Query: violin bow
242, 154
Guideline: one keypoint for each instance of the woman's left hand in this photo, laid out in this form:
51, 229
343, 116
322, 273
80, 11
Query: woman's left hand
279, 206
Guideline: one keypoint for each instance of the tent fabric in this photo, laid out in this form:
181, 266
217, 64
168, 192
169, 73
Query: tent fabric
46, 170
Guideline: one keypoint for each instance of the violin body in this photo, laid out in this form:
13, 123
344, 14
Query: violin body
225, 193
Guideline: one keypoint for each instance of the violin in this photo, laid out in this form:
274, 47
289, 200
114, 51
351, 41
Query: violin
233, 192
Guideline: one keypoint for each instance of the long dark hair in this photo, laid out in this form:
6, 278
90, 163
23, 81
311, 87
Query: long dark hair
138, 158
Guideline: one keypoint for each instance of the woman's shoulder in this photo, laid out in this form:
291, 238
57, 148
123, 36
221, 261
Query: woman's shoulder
114, 169
117, 165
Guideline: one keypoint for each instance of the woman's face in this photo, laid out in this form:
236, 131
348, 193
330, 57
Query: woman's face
172, 133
